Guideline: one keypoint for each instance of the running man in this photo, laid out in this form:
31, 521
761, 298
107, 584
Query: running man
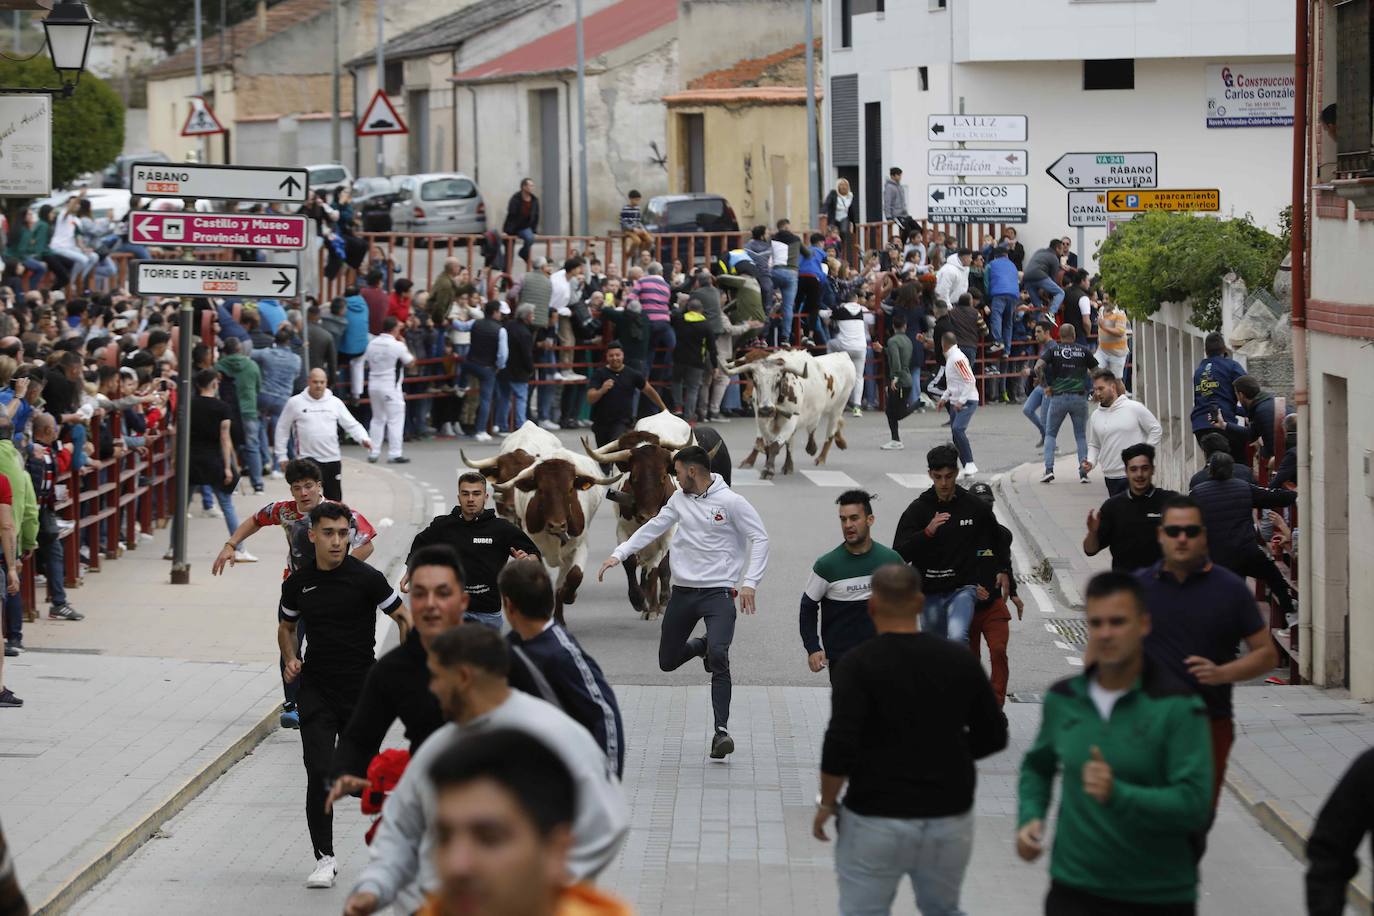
314, 417
337, 597
961, 397
719, 541
840, 584
991, 616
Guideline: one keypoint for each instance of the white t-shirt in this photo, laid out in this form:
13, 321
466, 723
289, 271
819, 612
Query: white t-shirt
64, 233
1103, 698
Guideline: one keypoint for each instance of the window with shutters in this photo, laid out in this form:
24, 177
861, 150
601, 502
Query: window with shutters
844, 120
1353, 95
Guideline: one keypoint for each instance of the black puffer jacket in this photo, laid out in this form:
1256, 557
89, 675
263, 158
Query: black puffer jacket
1226, 510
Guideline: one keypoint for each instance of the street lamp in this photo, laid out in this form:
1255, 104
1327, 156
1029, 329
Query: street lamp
68, 28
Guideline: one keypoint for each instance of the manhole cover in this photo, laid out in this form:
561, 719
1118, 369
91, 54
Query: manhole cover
1071, 631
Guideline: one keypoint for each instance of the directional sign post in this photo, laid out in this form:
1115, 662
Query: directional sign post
225, 182
1087, 208
217, 230
215, 278
976, 203
982, 163
961, 128
1192, 199
1082, 171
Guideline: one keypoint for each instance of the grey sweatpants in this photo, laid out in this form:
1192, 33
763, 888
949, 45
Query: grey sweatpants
676, 648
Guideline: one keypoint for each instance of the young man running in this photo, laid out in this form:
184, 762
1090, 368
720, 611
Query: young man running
337, 597
719, 541
840, 584
991, 616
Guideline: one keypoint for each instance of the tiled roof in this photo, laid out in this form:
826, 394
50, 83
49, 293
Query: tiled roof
448, 31
786, 67
280, 17
604, 31
748, 95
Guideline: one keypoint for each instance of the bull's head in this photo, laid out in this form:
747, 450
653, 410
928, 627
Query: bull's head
555, 509
774, 389
500, 469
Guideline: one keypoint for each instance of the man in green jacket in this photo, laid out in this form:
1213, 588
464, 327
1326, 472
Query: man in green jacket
24, 512
1134, 748
898, 351
247, 382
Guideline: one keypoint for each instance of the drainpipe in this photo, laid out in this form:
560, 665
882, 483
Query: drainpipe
567, 116
453, 108
476, 159
1298, 256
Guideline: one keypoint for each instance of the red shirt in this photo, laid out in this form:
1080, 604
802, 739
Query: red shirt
289, 517
399, 306
6, 493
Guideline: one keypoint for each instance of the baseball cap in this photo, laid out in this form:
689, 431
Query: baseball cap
983, 492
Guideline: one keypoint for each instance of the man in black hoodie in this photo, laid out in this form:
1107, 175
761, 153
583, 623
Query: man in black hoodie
483, 542
941, 534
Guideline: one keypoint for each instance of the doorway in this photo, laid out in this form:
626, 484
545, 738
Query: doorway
694, 136
548, 161
417, 109
1335, 568
873, 162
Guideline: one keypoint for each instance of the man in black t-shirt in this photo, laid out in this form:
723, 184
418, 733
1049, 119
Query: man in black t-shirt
338, 599
1128, 523
611, 393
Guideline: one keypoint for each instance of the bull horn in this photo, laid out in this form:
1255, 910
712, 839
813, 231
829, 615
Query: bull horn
715, 448
791, 371
505, 486
596, 450
607, 457
677, 446
482, 465
739, 369
606, 481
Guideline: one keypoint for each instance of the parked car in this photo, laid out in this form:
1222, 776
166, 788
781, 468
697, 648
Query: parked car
372, 198
106, 203
116, 174
445, 203
690, 213
328, 177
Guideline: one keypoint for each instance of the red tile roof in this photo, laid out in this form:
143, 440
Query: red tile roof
745, 95
616, 25
280, 17
754, 71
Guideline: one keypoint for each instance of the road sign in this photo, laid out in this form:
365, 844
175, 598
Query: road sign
1082, 171
958, 128
1087, 208
225, 182
218, 230
201, 120
1194, 199
214, 278
985, 163
380, 118
976, 203
25, 145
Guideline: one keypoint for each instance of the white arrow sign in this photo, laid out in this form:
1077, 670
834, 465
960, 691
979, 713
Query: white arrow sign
958, 128
1084, 171
224, 182
214, 278
976, 203
967, 163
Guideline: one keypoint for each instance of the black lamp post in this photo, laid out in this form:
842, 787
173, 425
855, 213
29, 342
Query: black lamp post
69, 28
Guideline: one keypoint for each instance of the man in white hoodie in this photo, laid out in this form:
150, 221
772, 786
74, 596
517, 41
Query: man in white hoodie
717, 532
1118, 423
315, 415
951, 281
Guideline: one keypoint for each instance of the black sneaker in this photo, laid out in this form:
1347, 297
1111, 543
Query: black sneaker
722, 744
65, 612
11, 650
399, 459
1048, 478
8, 699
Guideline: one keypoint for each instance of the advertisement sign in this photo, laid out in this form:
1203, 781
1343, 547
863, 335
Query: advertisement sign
25, 146
976, 203
968, 163
1250, 95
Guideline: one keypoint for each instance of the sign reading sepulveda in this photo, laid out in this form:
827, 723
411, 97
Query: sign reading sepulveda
25, 146
958, 128
976, 203
1106, 170
200, 120
224, 182
1250, 95
985, 163
214, 278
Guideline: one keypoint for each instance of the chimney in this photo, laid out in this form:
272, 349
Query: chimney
262, 18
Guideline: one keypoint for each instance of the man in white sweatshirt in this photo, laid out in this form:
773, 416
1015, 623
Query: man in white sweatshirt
961, 399
1118, 423
386, 358
951, 281
315, 415
467, 666
719, 538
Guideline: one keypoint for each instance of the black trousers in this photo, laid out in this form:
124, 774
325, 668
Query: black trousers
1069, 901
293, 689
897, 409
333, 479
717, 607
1254, 563
324, 715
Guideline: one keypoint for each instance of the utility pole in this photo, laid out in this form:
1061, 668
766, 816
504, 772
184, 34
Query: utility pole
812, 169
381, 79
200, 76
335, 137
18, 40
582, 127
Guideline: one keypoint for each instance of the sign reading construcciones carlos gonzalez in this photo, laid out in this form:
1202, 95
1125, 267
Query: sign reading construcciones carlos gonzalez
1250, 95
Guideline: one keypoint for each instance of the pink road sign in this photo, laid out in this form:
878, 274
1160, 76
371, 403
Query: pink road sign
218, 230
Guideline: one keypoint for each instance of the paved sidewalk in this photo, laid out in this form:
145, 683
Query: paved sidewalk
132, 712
1292, 743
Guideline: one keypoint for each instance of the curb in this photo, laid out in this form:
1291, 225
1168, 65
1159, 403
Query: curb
1058, 584
121, 849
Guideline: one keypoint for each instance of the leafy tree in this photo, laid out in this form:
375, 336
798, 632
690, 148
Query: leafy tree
87, 129
169, 25
1179, 257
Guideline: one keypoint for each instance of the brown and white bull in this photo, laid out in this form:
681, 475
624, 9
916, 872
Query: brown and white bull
518, 451
556, 498
794, 390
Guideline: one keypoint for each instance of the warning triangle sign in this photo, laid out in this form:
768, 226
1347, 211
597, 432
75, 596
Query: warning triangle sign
200, 120
380, 118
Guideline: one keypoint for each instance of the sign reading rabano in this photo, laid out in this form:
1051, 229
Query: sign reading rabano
25, 145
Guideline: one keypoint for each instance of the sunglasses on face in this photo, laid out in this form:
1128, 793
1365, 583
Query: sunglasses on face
1189, 531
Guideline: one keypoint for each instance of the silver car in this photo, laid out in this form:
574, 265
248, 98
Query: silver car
445, 203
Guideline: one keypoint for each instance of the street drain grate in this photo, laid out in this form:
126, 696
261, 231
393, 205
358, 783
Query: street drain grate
1024, 698
1071, 631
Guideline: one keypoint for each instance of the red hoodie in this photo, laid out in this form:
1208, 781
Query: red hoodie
399, 306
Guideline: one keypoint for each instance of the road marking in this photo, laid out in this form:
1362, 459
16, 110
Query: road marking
911, 481
1074, 660
831, 479
1041, 597
1049, 627
1063, 645
748, 477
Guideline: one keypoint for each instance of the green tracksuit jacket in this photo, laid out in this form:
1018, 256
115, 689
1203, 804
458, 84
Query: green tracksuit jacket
1157, 741
25, 504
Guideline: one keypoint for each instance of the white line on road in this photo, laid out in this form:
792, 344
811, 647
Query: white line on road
1063, 645
911, 481
748, 477
831, 479
1050, 628
1074, 660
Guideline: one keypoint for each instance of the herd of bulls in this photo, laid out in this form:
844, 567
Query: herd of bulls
553, 493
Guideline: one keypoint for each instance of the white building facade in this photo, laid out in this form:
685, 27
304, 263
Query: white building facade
1090, 76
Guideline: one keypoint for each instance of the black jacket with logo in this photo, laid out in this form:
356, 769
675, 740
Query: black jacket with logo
484, 545
948, 560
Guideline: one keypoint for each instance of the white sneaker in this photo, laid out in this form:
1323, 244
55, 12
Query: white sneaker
64, 526
549, 425
857, 411
243, 556
970, 469
572, 377
482, 437
446, 429
326, 869
893, 446
277, 475
212, 512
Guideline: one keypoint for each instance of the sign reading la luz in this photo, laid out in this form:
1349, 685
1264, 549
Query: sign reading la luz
218, 230
959, 128
214, 278
1082, 171
225, 182
25, 145
1186, 200
976, 203
968, 163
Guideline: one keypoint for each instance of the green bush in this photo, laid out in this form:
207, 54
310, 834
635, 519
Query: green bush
1179, 257
87, 129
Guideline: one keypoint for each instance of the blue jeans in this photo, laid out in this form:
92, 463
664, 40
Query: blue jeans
225, 498
486, 376
948, 613
526, 236
491, 620
506, 390
1000, 321
35, 269
269, 411
252, 433
786, 282
959, 430
206, 500
1074, 406
548, 395
873, 854
51, 560
1037, 409
1034, 286
661, 364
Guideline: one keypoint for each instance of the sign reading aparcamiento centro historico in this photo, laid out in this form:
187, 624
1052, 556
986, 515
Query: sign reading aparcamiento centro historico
1250, 95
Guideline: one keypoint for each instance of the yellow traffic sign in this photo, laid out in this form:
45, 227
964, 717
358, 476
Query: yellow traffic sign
1195, 199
